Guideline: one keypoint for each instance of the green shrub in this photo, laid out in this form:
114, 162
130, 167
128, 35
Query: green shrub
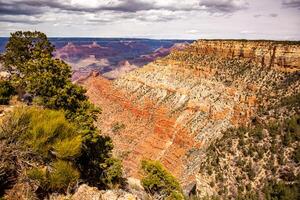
157, 180
6, 91
175, 195
68, 149
116, 127
209, 170
251, 174
296, 155
15, 125
112, 172
273, 129
40, 176
249, 195
280, 191
241, 143
52, 137
248, 187
256, 131
240, 131
292, 133
61, 177
64, 175
291, 101
48, 132
96, 163
8, 173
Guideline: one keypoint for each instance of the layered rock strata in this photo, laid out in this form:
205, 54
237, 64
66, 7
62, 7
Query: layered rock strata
174, 108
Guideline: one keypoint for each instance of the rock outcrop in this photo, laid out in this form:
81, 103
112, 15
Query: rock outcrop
85, 192
174, 108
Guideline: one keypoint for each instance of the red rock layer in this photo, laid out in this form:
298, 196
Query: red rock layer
149, 133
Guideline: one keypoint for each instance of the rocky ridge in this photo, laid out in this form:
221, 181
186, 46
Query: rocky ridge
174, 108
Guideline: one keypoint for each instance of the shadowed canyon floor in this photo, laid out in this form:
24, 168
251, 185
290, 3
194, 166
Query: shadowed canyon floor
174, 108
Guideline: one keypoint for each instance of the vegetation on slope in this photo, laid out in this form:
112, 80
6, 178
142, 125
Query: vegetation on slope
6, 91
49, 146
159, 182
258, 161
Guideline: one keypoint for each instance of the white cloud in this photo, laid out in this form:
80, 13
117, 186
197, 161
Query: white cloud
247, 32
192, 31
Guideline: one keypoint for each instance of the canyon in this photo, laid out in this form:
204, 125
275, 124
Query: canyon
174, 108
111, 57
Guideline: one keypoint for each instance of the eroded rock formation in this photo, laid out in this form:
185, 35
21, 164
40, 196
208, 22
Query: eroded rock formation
174, 108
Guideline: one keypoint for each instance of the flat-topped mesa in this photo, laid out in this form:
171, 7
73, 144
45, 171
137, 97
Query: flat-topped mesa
175, 107
267, 53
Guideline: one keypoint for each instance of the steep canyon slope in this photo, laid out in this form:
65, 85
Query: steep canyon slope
173, 109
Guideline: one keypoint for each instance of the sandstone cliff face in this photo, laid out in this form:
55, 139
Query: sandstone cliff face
174, 108
269, 54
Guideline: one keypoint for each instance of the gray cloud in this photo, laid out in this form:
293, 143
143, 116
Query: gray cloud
157, 18
129, 6
144, 16
273, 15
32, 7
14, 8
291, 3
97, 21
23, 20
224, 6
137, 9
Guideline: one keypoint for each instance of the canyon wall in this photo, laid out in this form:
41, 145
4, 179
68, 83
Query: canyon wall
174, 108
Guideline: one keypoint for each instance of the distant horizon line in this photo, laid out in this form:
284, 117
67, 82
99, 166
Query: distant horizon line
92, 37
182, 39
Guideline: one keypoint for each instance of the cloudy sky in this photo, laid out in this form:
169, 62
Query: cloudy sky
181, 19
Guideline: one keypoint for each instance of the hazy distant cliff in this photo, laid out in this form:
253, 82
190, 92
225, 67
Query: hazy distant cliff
173, 109
111, 57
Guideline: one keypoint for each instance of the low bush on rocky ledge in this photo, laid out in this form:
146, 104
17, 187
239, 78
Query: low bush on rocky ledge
159, 182
60, 152
61, 176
